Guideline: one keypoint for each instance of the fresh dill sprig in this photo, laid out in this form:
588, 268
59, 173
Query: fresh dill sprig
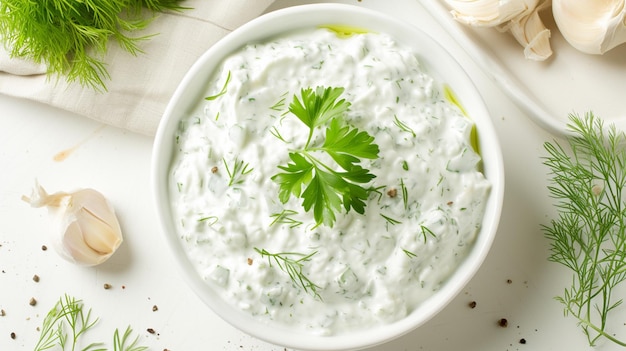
403, 126
120, 343
222, 92
284, 217
67, 323
72, 37
425, 231
589, 234
327, 187
280, 104
405, 194
390, 220
237, 171
66, 314
410, 254
160, 5
276, 133
292, 263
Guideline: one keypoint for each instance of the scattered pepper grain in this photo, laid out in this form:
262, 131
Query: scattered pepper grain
36, 278
392, 192
13, 336
522, 341
472, 304
155, 308
503, 322
44, 248
32, 301
107, 286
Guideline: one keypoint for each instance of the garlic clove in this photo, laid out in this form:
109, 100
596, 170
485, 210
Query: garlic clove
73, 247
102, 239
520, 17
97, 215
532, 34
591, 26
89, 232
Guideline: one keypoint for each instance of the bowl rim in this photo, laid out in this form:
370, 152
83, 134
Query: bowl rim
311, 15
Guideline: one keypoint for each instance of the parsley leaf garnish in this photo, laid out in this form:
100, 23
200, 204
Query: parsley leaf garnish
318, 107
327, 187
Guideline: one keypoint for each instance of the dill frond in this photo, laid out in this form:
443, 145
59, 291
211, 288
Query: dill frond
72, 37
589, 235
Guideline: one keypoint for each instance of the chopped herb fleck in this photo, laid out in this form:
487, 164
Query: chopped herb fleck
222, 92
403, 126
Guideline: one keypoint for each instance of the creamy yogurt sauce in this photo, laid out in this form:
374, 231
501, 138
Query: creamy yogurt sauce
369, 269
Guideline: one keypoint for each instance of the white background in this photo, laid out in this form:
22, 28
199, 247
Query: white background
516, 281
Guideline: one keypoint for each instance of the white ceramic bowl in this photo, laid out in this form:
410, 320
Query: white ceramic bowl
439, 63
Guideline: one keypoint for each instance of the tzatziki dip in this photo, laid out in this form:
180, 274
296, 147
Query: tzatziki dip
327, 225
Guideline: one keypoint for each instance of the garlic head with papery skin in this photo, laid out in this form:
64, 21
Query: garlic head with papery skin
89, 232
489, 13
520, 17
591, 26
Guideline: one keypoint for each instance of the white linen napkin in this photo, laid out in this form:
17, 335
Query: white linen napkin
140, 86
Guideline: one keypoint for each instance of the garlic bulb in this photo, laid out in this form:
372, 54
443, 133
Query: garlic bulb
591, 26
520, 17
89, 232
489, 13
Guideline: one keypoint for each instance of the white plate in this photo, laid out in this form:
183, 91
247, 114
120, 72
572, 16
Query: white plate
568, 82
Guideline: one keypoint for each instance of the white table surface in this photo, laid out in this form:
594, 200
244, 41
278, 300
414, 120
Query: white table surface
516, 281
